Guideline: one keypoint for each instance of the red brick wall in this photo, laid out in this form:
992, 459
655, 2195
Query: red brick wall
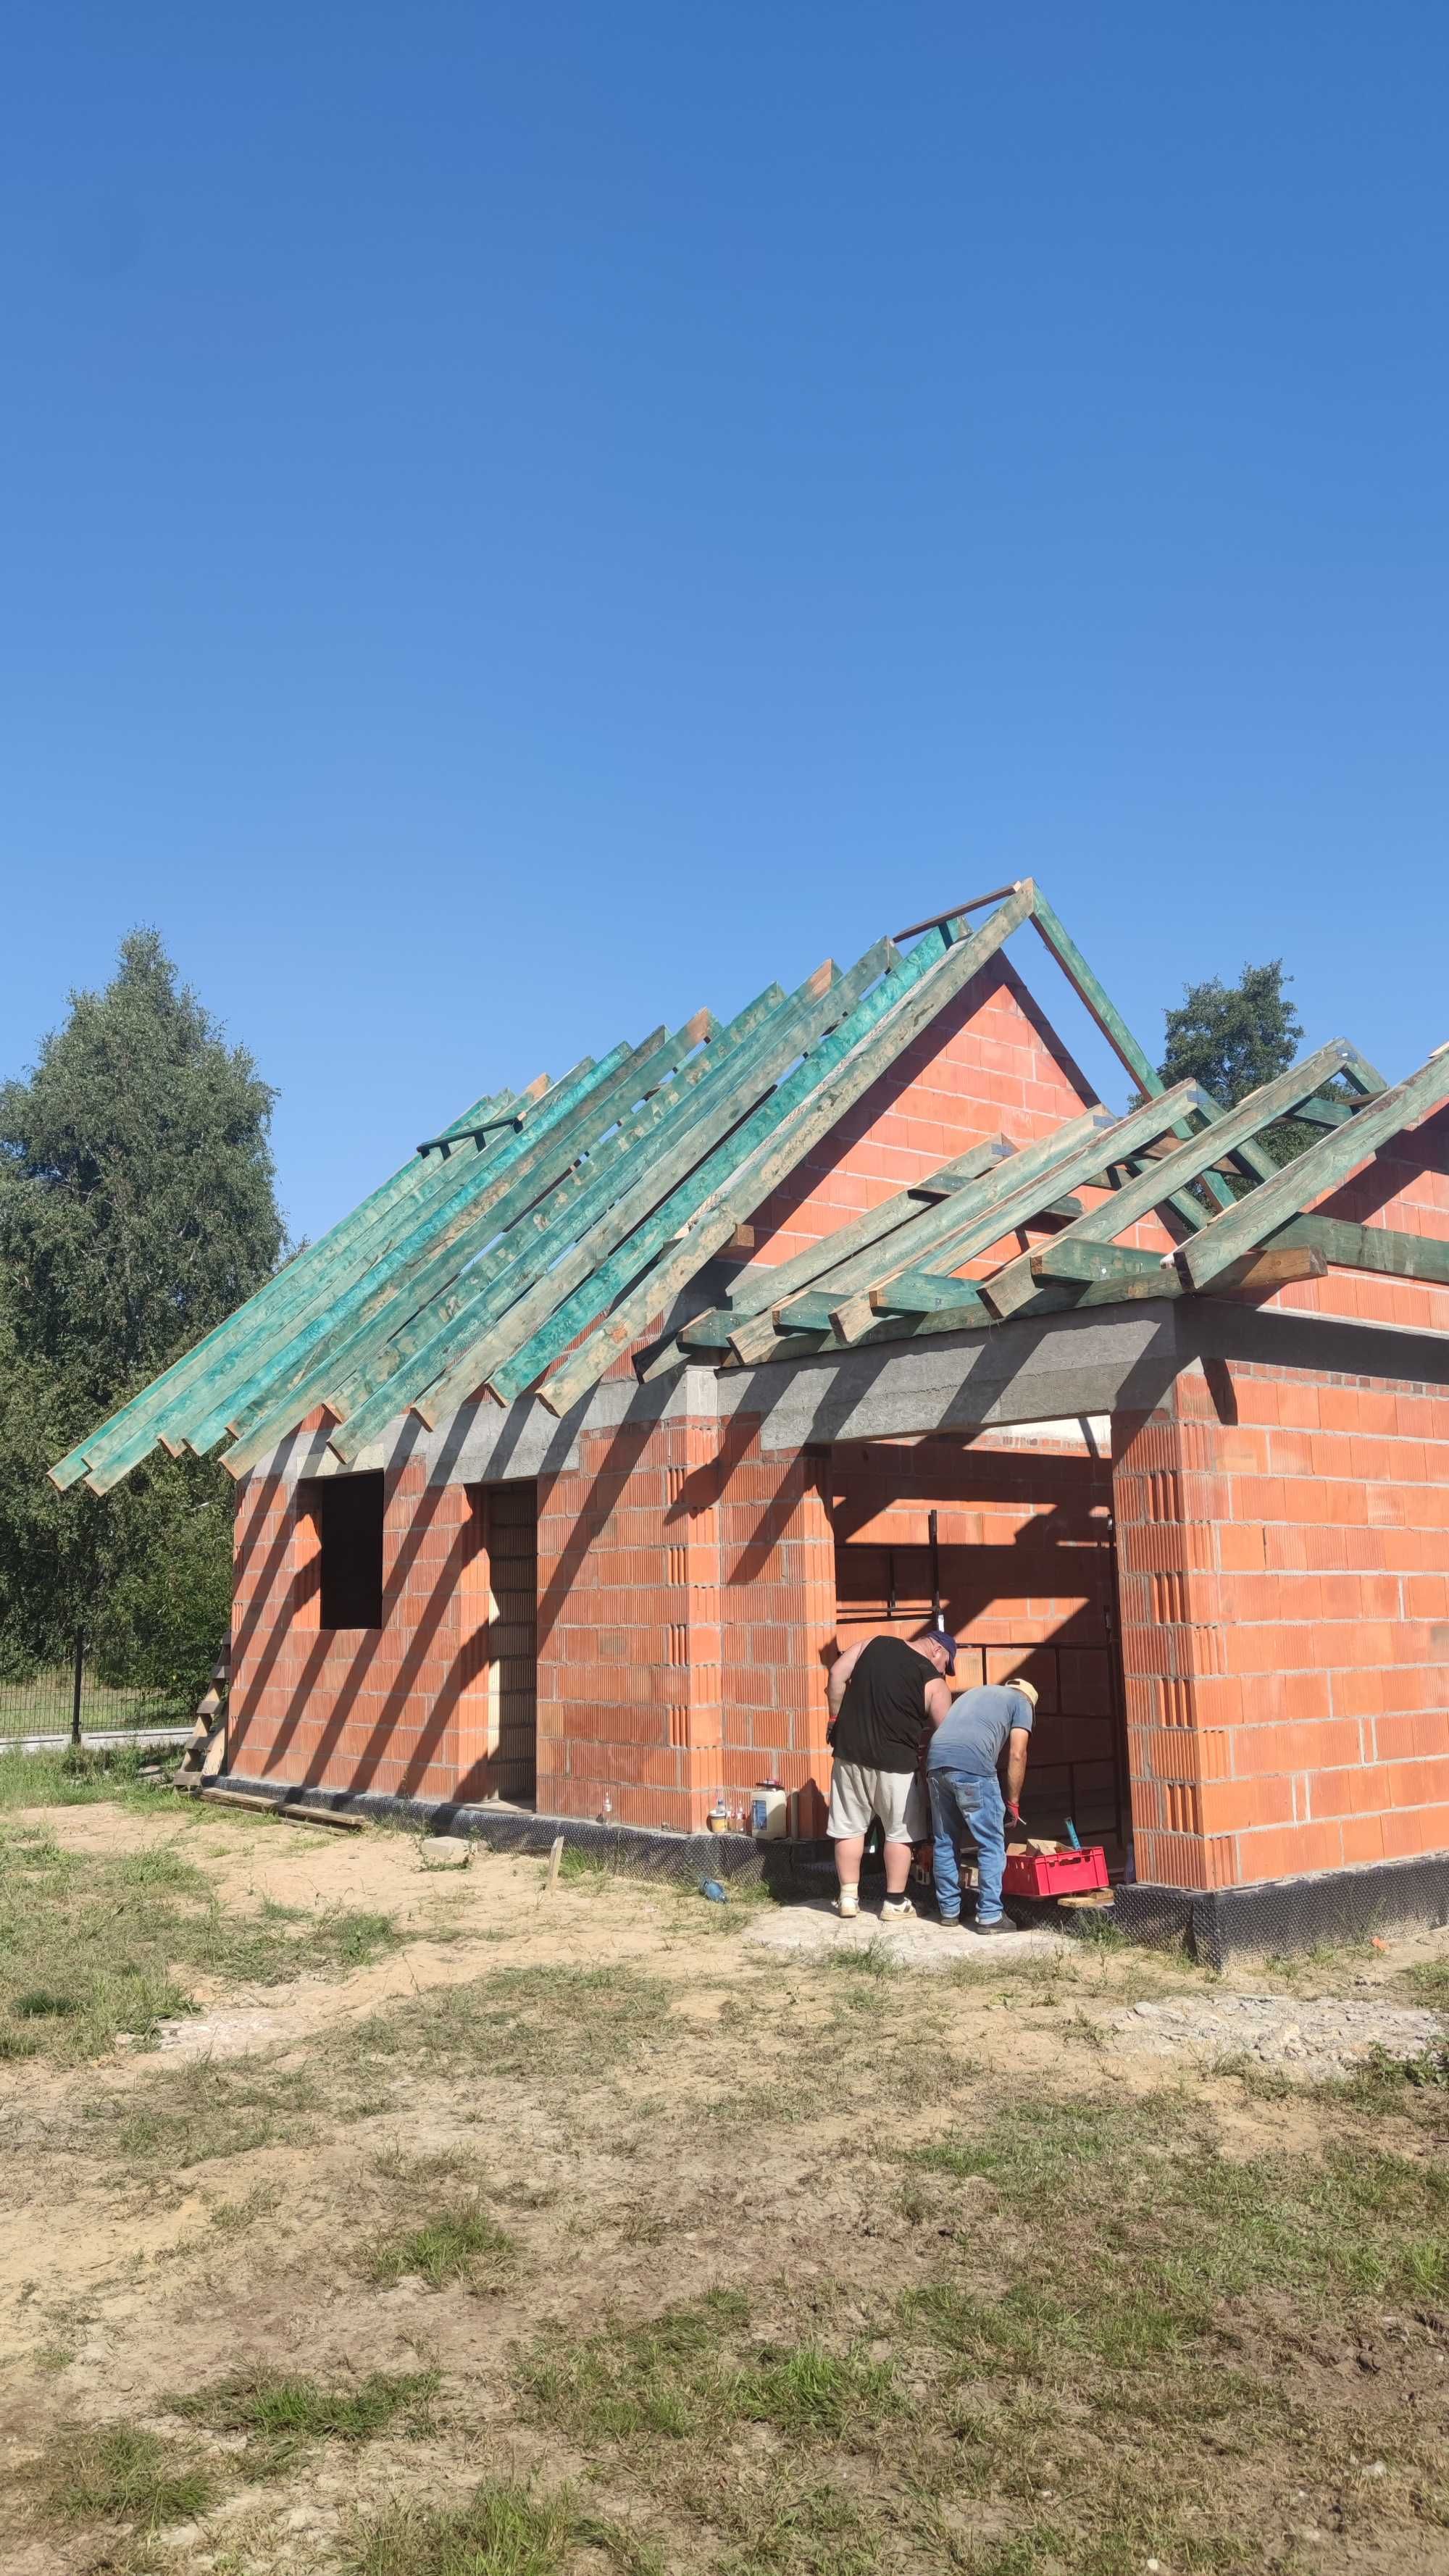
401, 1708
1026, 1579
988, 1064
685, 1604
1284, 1557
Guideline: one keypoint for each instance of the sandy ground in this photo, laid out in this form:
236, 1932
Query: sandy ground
710, 2147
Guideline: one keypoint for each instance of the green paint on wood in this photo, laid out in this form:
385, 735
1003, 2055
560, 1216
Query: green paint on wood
1016, 1285
1322, 1168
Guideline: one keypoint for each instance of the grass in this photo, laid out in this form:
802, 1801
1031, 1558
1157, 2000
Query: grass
123, 2473
461, 2243
91, 1947
95, 1775
504, 2530
539, 2025
686, 2375
1063, 2328
190, 2115
283, 2415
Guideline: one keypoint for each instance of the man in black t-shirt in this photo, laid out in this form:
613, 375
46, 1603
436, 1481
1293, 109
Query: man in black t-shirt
886, 1699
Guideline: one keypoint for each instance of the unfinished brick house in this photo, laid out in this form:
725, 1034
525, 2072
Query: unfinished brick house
566, 1462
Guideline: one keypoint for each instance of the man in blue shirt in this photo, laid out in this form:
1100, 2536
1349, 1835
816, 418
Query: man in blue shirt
966, 1799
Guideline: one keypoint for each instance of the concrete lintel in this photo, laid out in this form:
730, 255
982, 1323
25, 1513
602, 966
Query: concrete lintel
1107, 1360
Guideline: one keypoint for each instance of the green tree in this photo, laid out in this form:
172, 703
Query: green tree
1233, 1037
137, 1209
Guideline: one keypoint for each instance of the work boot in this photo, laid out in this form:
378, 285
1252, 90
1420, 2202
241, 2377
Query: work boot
1003, 1923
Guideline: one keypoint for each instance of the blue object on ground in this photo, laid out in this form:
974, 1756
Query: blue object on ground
711, 1888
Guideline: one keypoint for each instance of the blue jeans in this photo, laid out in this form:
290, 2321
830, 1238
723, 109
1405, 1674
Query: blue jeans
963, 1804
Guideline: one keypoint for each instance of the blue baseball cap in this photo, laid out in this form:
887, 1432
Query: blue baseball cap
942, 1637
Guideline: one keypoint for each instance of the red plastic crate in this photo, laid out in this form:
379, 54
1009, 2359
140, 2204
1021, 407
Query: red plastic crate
1063, 1873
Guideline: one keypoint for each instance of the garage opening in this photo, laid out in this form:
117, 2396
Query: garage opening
507, 1517
1018, 1540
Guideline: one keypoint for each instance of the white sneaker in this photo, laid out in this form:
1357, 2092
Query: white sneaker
898, 1909
847, 1904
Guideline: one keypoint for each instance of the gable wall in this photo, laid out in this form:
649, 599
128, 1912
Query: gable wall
988, 1065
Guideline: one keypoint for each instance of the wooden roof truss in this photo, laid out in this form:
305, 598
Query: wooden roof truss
536, 1240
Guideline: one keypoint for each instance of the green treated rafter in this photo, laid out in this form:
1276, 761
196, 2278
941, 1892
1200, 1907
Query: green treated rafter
311, 1373
1322, 1168
756, 1290
570, 1245
942, 1237
371, 1255
524, 1231
152, 1400
1019, 1282
808, 1105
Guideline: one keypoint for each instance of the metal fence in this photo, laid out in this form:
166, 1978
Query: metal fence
68, 1700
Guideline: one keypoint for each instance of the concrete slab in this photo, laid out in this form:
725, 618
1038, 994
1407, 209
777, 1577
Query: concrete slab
814, 1930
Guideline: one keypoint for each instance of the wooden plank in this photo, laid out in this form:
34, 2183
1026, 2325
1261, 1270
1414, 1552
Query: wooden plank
936, 1238
1380, 1248
1017, 1283
924, 1292
1279, 1268
1008, 1210
1069, 1258
1131, 1287
528, 1242
151, 1400
553, 1265
1093, 996
876, 1034
757, 1289
1325, 1165
350, 1372
527, 1196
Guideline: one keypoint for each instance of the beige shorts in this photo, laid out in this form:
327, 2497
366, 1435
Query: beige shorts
897, 1797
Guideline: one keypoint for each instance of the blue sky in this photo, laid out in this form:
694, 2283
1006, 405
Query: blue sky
518, 521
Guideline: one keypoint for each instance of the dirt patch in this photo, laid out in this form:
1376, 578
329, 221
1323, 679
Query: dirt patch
1313, 2040
701, 2253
